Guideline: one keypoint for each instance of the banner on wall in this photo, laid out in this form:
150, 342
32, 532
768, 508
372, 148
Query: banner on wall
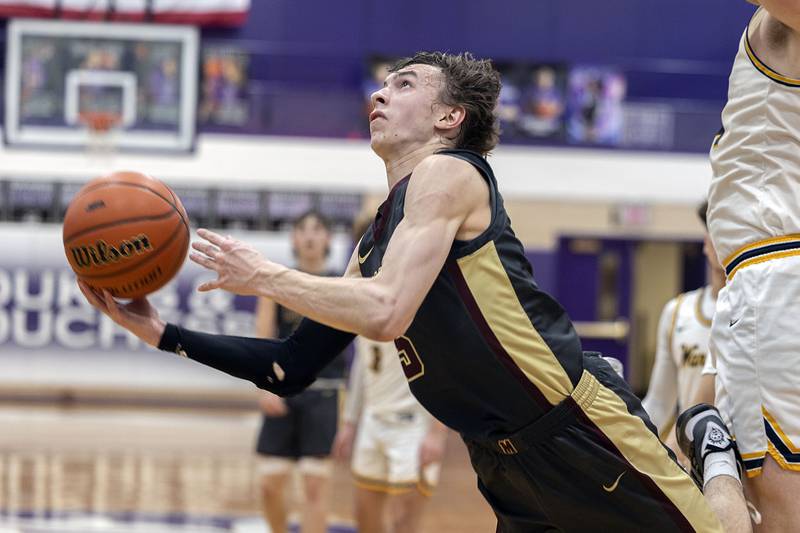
50, 335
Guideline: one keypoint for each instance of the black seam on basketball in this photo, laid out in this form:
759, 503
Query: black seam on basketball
177, 201
128, 184
120, 222
126, 269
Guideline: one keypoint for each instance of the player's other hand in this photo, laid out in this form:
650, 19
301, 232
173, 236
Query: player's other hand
432, 448
272, 404
236, 263
343, 443
137, 316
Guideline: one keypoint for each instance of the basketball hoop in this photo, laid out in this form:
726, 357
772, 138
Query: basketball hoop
99, 122
101, 127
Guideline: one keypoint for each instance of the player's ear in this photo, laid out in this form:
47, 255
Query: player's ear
451, 118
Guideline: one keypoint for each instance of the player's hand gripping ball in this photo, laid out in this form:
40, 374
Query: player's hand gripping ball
126, 233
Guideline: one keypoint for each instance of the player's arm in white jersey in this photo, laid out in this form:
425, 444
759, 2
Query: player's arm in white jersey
662, 394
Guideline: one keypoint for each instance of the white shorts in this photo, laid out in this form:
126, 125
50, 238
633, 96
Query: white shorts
755, 339
386, 454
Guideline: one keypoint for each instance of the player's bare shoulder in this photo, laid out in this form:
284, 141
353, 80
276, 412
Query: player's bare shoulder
456, 187
451, 177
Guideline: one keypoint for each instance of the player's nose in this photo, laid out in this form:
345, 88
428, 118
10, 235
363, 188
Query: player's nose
381, 96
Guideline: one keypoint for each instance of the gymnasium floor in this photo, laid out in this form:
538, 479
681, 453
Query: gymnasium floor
87, 469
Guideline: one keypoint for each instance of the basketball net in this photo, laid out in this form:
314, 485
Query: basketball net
102, 127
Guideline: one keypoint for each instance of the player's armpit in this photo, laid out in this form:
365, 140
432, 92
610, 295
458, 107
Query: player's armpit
786, 11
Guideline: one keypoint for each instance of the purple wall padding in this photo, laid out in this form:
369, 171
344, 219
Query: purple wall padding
545, 270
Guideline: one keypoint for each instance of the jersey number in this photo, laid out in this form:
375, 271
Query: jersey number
409, 357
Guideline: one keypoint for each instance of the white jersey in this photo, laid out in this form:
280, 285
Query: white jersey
378, 385
681, 352
756, 157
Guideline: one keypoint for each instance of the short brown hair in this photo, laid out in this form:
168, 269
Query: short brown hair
471, 83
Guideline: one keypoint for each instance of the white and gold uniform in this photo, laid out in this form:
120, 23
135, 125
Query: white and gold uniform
681, 351
754, 222
391, 423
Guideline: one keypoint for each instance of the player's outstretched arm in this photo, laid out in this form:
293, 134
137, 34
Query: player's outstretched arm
442, 193
284, 367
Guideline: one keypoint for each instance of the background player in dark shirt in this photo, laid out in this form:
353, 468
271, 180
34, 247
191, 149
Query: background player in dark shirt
556, 437
299, 429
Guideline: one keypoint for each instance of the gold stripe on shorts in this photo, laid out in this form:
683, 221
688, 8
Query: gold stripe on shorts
642, 449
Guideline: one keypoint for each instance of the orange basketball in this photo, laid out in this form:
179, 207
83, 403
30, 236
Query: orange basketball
127, 233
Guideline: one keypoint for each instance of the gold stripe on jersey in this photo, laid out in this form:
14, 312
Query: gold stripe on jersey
642, 449
698, 308
498, 303
766, 70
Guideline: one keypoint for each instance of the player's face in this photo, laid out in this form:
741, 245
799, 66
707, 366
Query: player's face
310, 239
405, 111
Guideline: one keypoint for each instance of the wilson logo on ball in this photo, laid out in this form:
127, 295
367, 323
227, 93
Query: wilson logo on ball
102, 253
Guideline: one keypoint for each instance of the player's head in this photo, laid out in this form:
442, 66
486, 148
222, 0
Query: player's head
436, 98
311, 236
708, 246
